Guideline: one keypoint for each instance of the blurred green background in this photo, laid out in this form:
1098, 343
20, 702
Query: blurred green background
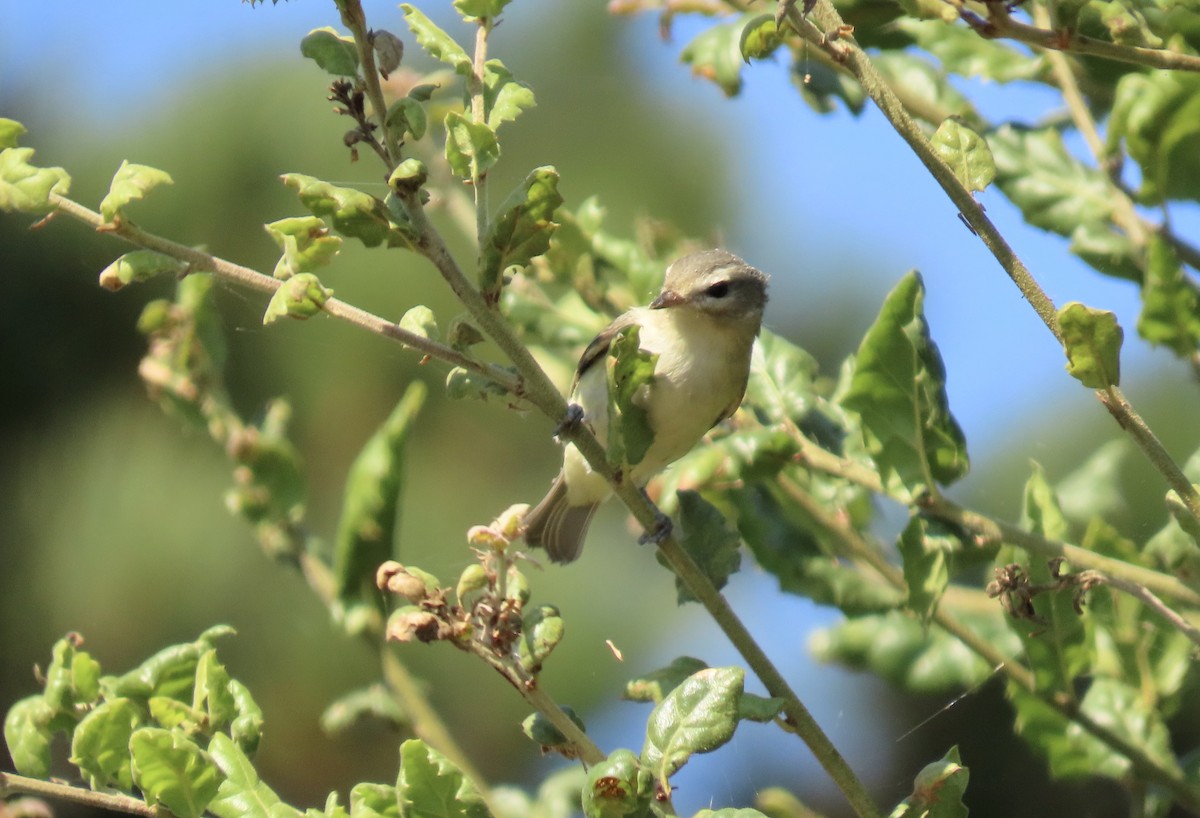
113, 522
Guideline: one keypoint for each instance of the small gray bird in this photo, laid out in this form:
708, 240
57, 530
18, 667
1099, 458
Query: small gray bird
702, 327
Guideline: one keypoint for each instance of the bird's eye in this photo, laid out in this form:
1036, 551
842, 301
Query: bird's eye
718, 290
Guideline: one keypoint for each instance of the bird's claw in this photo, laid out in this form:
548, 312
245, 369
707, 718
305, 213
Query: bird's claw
570, 421
658, 532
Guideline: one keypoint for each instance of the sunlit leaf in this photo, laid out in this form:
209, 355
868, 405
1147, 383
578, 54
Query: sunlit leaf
173, 771
25, 188
1092, 340
522, 229
437, 43
430, 786
504, 97
698, 716
898, 389
100, 744
966, 152
937, 791
130, 183
334, 53
630, 373
242, 794
471, 147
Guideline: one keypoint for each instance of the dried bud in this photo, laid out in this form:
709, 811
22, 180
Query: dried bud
413, 584
411, 623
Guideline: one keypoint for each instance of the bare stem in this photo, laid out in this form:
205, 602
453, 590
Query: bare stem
1148, 599
12, 783
1128, 418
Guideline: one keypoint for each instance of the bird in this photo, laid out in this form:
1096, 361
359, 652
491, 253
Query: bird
702, 327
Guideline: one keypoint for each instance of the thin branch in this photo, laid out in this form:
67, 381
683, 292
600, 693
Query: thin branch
198, 260
1127, 417
356, 20
1000, 24
1148, 599
12, 783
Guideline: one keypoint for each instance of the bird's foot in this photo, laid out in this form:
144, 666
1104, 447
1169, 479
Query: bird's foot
570, 421
659, 531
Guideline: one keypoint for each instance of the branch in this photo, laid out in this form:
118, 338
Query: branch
1000, 24
1127, 417
356, 20
12, 783
198, 260
479, 181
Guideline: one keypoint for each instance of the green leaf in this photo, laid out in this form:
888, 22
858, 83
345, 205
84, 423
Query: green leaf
761, 709
937, 791
464, 384
1092, 340
924, 553
759, 38
170, 673
437, 43
618, 787
504, 98
781, 538
898, 389
716, 54
630, 375
541, 631
1158, 116
430, 786
28, 733
137, 266
958, 145
25, 188
100, 744
373, 801
896, 647
419, 320
1170, 314
334, 53
242, 794
130, 183
407, 115
354, 214
471, 147
246, 727
781, 379
1053, 189
476, 9
1094, 489
305, 242
1108, 250
171, 770
962, 51
710, 540
367, 528
72, 679
697, 717
374, 702
11, 132
211, 695
654, 686
927, 88
542, 731
521, 231
1075, 753
820, 85
301, 296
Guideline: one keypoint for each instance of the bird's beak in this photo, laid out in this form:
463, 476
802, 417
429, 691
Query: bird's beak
667, 298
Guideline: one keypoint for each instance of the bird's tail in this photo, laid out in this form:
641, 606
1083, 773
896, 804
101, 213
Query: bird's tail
556, 525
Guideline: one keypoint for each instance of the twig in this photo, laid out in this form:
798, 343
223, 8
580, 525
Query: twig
13, 783
198, 260
1127, 417
356, 20
1000, 23
1148, 599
